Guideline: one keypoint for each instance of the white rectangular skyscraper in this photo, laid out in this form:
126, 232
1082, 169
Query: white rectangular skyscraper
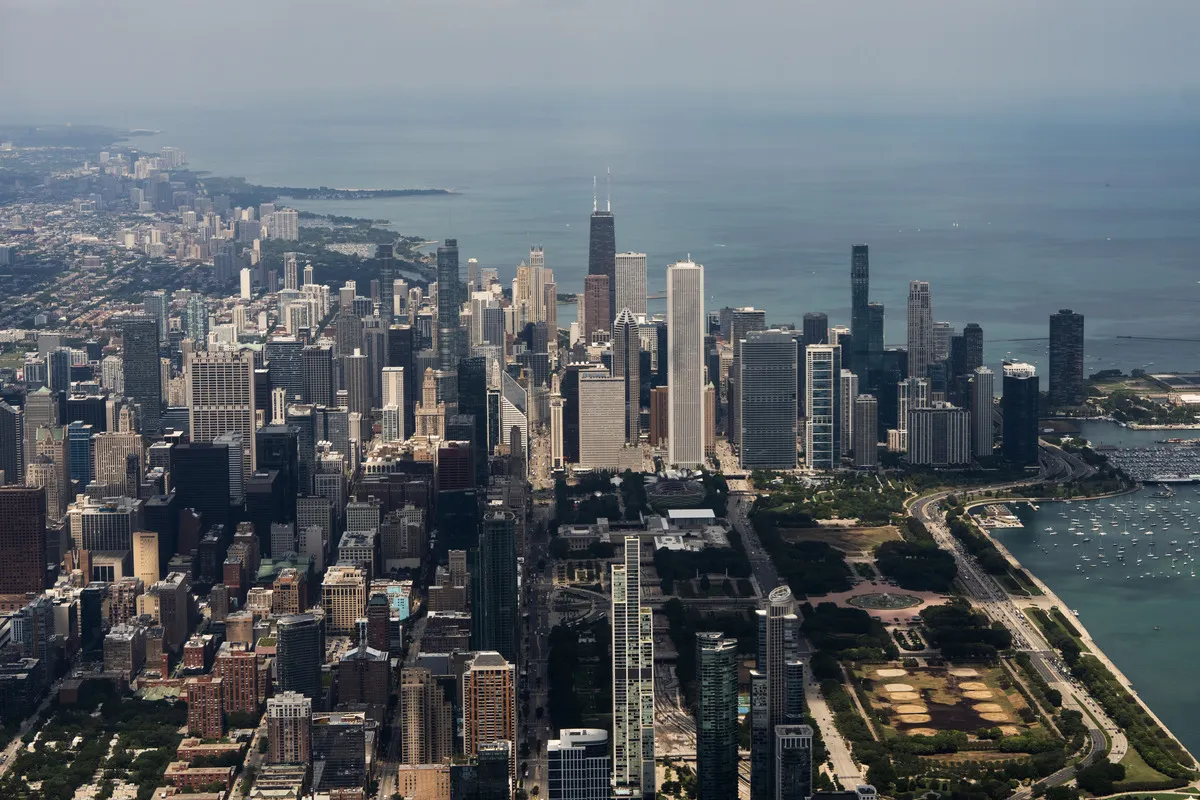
631, 283
220, 391
685, 368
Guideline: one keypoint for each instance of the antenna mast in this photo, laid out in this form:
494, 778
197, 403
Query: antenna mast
608, 188
595, 207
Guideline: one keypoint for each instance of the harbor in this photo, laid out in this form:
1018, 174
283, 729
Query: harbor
1127, 565
1164, 463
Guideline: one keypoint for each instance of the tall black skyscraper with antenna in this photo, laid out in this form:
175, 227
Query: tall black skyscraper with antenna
860, 299
602, 247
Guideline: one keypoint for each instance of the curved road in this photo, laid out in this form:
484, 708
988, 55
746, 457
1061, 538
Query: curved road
994, 601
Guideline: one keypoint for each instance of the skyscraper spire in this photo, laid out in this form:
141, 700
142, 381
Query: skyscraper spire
608, 189
595, 205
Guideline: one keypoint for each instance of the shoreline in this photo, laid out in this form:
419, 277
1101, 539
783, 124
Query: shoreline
1051, 599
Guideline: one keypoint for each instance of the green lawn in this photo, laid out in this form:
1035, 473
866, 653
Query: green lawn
1137, 770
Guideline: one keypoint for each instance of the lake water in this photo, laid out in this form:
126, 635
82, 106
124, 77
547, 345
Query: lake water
1121, 601
1009, 218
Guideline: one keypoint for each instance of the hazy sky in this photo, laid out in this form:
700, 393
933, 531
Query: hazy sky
58, 56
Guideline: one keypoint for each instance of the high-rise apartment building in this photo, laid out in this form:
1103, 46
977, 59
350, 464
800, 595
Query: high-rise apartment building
385, 255
300, 651
344, 597
793, 762
489, 705
685, 369
206, 718
716, 716
450, 339
596, 313
866, 431
221, 398
849, 391
822, 402
22, 540
289, 728
1066, 359
1019, 406
777, 686
939, 435
630, 291
920, 329
142, 371
766, 384
427, 717
860, 298
494, 598
983, 403
578, 765
626, 364
12, 443
633, 679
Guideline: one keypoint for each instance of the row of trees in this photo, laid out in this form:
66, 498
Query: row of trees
919, 567
963, 634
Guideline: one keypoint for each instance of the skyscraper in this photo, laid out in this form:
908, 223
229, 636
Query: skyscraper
716, 717
285, 361
317, 374
195, 320
602, 419
597, 311
631, 283
920, 329
822, 401
633, 679
494, 586
220, 391
385, 255
427, 717
143, 372
816, 328
289, 728
626, 364
156, 305
766, 384
578, 765
358, 383
12, 443
1019, 406
860, 298
449, 300
300, 651
1066, 359
22, 540
866, 430
602, 246
489, 705
685, 368
983, 393
793, 762
939, 435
